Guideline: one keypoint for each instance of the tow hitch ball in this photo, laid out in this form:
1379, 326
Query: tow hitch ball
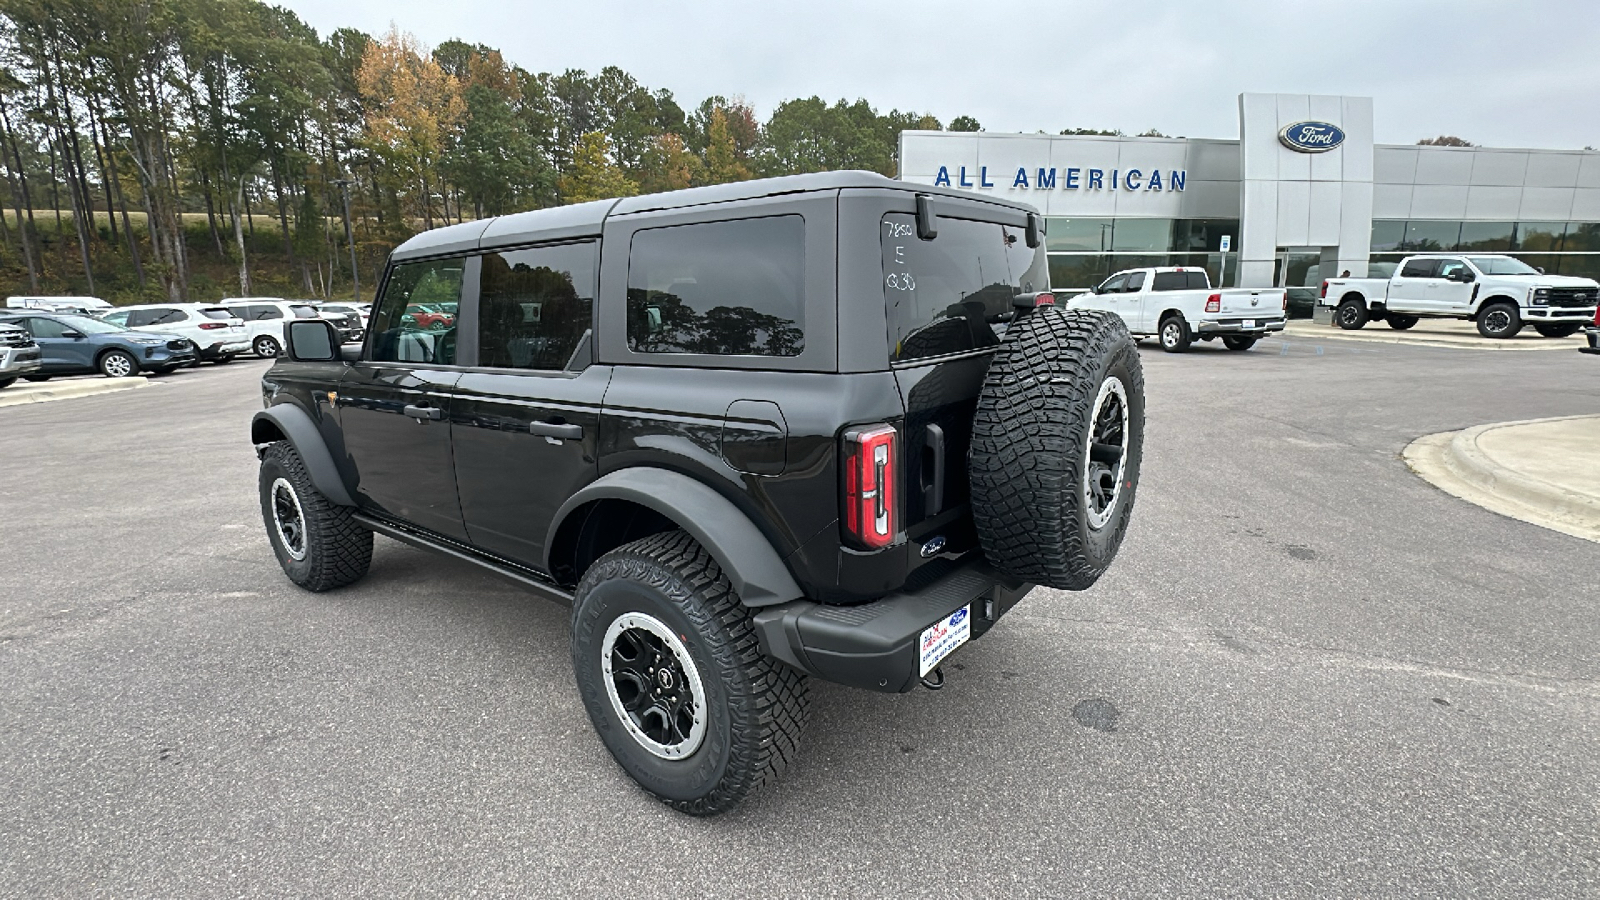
934, 680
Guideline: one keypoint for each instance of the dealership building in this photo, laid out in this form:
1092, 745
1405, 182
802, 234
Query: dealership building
1303, 194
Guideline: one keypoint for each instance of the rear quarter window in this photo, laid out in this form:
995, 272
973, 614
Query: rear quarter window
954, 293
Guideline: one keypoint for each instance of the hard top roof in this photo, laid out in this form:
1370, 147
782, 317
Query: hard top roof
586, 219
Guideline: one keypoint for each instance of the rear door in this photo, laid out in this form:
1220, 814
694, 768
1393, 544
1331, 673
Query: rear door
949, 301
395, 404
59, 352
1170, 290
1409, 288
526, 416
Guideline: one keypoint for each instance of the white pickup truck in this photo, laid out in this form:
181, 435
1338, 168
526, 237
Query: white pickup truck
1499, 293
1178, 304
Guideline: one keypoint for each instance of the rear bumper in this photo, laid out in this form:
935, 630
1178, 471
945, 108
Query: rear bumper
230, 347
1237, 326
877, 645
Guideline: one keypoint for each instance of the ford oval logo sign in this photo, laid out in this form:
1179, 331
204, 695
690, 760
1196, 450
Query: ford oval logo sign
933, 547
1311, 137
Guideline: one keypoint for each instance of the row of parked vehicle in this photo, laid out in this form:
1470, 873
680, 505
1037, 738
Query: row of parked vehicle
43, 337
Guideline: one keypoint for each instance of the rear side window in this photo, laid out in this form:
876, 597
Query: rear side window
725, 288
304, 312
398, 334
535, 306
1135, 283
948, 295
216, 312
1419, 268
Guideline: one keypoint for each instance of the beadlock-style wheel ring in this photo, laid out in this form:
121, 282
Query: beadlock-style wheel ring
653, 685
288, 518
1105, 453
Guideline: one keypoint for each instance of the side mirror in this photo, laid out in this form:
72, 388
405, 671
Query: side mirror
311, 340
927, 225
75, 335
1540, 269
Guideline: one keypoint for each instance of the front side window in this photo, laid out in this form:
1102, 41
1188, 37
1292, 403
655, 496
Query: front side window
725, 288
400, 335
1451, 268
1113, 285
950, 294
534, 306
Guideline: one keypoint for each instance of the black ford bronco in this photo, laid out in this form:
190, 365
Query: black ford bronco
826, 425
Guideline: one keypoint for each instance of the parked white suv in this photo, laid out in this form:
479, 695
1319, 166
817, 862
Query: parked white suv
218, 335
1179, 305
264, 318
1499, 293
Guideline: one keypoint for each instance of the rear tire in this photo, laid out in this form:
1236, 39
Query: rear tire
669, 668
1175, 336
1352, 315
1399, 322
1499, 320
222, 360
1238, 343
1557, 329
317, 542
1056, 446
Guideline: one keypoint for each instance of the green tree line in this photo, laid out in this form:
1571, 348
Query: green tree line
190, 149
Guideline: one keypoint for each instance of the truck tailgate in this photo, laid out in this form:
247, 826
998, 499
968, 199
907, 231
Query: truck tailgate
1265, 303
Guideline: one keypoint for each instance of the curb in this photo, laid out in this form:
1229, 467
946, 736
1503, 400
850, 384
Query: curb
1454, 462
1462, 343
19, 395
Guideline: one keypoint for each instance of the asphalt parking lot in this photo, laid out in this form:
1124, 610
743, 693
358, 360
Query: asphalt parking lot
1310, 673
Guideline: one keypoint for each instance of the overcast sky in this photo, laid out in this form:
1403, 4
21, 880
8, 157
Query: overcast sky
1509, 73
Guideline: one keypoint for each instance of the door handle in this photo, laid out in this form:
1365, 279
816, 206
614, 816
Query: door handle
424, 412
559, 430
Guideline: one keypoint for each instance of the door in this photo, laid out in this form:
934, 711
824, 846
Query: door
1451, 290
527, 416
395, 405
59, 352
1410, 288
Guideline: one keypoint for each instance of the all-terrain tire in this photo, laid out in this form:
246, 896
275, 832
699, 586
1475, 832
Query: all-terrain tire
1050, 498
1399, 322
1352, 315
1233, 342
1175, 335
1499, 319
326, 549
753, 708
1557, 329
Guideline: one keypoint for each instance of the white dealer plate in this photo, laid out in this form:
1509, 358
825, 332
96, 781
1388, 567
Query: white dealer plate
1249, 323
945, 635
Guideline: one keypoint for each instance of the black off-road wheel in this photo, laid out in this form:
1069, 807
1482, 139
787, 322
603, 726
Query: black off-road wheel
1351, 315
1399, 322
318, 544
1234, 342
1056, 446
1557, 329
1499, 320
670, 671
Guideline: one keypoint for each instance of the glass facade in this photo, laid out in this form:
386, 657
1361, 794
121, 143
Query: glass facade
1084, 251
1560, 248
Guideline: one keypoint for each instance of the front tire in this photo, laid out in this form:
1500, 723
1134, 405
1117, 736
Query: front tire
674, 681
1352, 315
7, 382
1399, 322
317, 542
1175, 336
118, 364
1557, 329
1499, 320
266, 347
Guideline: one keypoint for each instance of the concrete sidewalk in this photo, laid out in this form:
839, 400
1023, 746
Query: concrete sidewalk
1434, 333
1543, 471
42, 391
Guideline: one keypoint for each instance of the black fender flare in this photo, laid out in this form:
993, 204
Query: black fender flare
302, 434
757, 573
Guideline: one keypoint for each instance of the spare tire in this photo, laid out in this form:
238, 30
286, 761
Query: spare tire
1056, 445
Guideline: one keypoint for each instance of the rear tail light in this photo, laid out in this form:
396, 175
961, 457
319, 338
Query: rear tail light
212, 326
869, 485
1044, 299
1214, 303
1285, 301
1324, 291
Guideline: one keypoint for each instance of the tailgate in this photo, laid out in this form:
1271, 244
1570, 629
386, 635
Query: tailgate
1265, 303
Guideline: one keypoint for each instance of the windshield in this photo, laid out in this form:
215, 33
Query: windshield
88, 325
1503, 265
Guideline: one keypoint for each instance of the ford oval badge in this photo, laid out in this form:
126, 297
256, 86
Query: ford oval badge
933, 547
1311, 137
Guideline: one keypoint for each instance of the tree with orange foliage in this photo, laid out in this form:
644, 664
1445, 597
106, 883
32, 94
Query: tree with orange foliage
412, 106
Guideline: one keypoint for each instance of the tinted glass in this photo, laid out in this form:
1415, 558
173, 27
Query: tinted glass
1425, 236
1077, 270
1449, 267
1419, 268
1503, 265
725, 288
1388, 234
1142, 235
1171, 281
304, 312
116, 318
216, 312
534, 306
1204, 234
44, 328
1078, 235
1135, 283
949, 294
1113, 285
1487, 235
1198, 281
166, 316
1582, 237
401, 337
1541, 237
1030, 266
264, 311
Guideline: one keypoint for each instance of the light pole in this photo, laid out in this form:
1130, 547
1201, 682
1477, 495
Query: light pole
349, 233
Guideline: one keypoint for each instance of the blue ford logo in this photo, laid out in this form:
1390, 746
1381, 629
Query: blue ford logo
933, 547
1311, 137
959, 616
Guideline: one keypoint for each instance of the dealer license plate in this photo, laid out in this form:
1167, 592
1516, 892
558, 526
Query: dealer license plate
1248, 323
944, 636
